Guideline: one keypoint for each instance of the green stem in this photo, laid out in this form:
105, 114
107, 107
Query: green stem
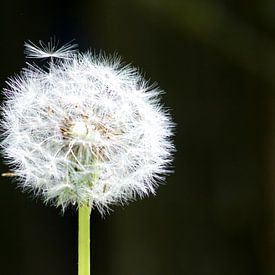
84, 240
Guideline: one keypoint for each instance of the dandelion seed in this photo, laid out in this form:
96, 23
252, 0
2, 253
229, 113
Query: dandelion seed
85, 130
49, 50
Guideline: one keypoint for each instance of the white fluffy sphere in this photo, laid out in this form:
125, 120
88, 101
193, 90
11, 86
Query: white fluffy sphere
85, 129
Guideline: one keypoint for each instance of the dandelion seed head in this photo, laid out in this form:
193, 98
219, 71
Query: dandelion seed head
87, 129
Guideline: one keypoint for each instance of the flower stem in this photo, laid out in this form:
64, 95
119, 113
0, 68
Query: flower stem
84, 240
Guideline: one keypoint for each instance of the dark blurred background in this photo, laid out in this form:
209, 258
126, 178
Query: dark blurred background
215, 215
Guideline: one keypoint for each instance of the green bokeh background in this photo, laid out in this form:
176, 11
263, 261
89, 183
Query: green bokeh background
215, 215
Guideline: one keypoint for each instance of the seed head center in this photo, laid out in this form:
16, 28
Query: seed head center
79, 130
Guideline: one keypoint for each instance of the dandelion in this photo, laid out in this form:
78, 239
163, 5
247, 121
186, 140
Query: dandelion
85, 130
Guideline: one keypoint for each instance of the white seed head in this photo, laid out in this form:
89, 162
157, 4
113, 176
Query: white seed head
86, 129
